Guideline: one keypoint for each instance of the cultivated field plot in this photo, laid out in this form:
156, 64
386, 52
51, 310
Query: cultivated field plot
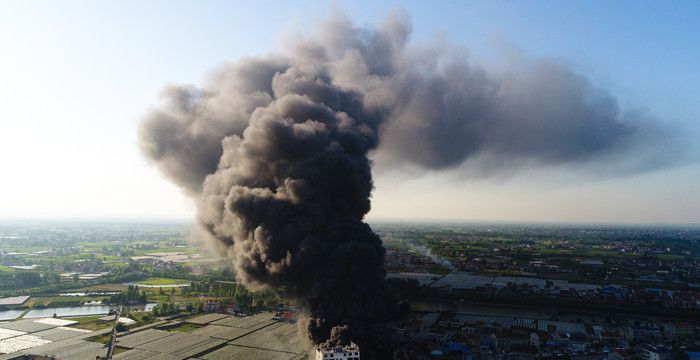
248, 322
281, 337
254, 337
220, 332
206, 318
157, 344
60, 333
135, 354
197, 349
69, 349
56, 322
238, 352
5, 333
85, 350
142, 337
46, 348
46, 337
27, 325
181, 345
21, 342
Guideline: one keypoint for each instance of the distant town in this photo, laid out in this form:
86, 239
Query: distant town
476, 291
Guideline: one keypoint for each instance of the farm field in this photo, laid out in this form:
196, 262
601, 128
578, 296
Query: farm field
71, 339
217, 336
162, 281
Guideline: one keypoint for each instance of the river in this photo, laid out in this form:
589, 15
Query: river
68, 311
10, 314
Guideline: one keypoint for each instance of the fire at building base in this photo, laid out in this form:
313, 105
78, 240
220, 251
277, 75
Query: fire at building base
349, 352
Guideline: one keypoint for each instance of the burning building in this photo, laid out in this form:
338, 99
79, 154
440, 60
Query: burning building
348, 352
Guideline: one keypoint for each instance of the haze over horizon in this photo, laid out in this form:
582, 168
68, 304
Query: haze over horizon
80, 76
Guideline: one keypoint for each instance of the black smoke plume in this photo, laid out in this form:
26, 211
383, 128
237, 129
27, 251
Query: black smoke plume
275, 152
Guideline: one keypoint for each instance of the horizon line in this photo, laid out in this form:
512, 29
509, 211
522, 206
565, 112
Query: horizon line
371, 220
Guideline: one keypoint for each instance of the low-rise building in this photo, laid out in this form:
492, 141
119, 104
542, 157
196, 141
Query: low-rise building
211, 306
349, 352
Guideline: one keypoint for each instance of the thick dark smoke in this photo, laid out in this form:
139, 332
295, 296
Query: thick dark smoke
275, 152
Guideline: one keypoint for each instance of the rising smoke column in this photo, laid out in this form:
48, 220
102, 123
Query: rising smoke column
287, 204
275, 152
276, 156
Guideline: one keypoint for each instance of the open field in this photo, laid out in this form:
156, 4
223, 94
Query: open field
104, 287
92, 323
185, 328
163, 281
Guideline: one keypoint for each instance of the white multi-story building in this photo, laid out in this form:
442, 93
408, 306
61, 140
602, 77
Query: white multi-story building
350, 352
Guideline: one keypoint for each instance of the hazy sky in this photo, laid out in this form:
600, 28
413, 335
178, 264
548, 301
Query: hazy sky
76, 76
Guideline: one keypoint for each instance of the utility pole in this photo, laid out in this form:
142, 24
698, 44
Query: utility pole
113, 339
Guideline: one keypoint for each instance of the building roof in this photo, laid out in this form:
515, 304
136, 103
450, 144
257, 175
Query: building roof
562, 326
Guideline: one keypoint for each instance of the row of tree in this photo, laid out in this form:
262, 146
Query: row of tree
130, 297
231, 292
164, 309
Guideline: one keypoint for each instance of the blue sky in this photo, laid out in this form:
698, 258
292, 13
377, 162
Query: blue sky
76, 76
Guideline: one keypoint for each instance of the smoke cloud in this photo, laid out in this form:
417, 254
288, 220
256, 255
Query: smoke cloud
435, 258
275, 152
